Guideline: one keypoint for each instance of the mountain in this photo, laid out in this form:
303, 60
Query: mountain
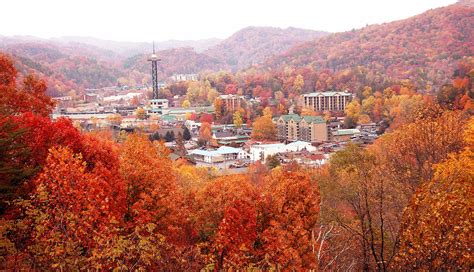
252, 45
424, 48
77, 63
66, 68
173, 61
129, 49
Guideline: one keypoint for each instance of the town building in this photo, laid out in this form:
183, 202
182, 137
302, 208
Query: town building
231, 102
327, 101
229, 138
177, 101
260, 152
158, 106
292, 127
222, 157
304, 158
122, 98
64, 101
184, 77
345, 134
91, 97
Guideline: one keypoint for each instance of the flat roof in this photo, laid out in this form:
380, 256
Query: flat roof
346, 131
331, 93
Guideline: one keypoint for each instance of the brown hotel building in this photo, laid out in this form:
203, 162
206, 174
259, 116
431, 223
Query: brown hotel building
327, 101
292, 127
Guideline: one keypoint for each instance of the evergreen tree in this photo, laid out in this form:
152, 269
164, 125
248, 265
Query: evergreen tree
155, 137
169, 136
186, 134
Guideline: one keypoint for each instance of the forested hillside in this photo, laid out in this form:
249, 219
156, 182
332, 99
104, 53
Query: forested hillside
66, 68
424, 49
252, 45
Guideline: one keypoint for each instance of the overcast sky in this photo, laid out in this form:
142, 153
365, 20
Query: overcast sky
142, 20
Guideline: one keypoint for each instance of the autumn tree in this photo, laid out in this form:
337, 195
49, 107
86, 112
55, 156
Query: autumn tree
436, 231
367, 190
359, 199
140, 113
226, 221
290, 214
353, 110
180, 148
238, 119
186, 104
410, 151
307, 111
115, 119
263, 128
29, 97
205, 132
68, 205
267, 112
14, 154
218, 108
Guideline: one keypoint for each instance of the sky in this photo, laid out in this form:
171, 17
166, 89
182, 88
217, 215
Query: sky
144, 20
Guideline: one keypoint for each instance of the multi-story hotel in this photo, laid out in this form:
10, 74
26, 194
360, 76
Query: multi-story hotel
231, 102
327, 101
292, 127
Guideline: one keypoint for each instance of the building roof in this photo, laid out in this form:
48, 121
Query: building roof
168, 118
341, 132
218, 152
297, 118
228, 96
288, 117
331, 93
265, 146
314, 119
159, 100
223, 134
228, 150
204, 152
298, 143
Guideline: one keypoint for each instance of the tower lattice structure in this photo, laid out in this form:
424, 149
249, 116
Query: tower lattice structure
154, 72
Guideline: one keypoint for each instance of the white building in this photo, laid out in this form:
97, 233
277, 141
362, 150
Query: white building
184, 77
158, 106
260, 152
122, 97
300, 146
221, 157
192, 125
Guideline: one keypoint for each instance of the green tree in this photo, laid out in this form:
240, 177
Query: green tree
186, 134
169, 136
272, 161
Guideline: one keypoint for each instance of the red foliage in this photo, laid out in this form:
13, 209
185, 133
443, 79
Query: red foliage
30, 97
230, 89
206, 118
